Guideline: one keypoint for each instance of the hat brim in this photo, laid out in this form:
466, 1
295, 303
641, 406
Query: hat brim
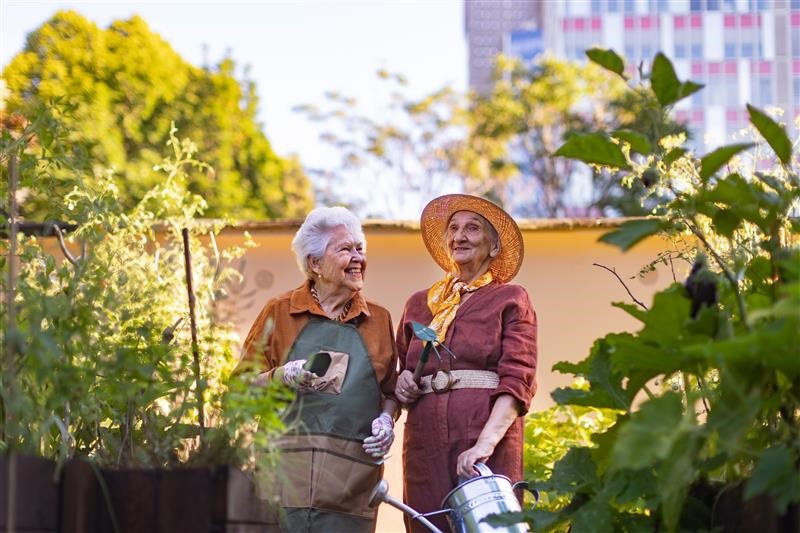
433, 226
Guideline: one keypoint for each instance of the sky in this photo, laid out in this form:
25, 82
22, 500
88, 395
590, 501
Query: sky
295, 50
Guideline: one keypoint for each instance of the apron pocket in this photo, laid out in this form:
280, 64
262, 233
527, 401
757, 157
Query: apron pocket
343, 485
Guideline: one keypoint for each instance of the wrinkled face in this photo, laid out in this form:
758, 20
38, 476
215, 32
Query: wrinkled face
470, 241
344, 262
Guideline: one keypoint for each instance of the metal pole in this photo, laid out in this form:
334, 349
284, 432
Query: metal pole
187, 255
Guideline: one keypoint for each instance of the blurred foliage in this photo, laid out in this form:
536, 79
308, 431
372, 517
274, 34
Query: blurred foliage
126, 86
709, 387
499, 145
100, 338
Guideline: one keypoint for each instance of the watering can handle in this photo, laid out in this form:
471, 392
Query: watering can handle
523, 485
482, 469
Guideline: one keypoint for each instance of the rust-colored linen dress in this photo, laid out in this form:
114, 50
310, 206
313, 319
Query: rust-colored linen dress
495, 329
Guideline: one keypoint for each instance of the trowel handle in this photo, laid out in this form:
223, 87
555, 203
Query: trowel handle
423, 358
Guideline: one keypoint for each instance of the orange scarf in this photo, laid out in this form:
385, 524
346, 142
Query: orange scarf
444, 298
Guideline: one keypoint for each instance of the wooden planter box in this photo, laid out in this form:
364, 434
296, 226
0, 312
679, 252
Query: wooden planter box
196, 500
36, 493
734, 514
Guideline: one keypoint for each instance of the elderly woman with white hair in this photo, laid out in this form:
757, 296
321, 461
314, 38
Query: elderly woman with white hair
336, 349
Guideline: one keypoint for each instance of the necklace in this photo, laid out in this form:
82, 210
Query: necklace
345, 309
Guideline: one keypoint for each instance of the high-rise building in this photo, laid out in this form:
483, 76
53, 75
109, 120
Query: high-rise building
488, 25
743, 51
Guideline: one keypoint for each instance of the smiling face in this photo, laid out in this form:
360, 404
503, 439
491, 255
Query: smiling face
343, 264
471, 243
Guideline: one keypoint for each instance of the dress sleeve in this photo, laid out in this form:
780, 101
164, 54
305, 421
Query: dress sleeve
517, 365
257, 351
403, 338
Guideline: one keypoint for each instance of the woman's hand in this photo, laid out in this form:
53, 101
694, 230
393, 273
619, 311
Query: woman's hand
480, 453
406, 390
504, 412
382, 436
295, 376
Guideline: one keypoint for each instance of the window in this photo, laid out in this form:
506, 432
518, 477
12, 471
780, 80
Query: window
747, 49
765, 91
647, 52
796, 86
597, 7
796, 41
695, 5
612, 6
697, 51
630, 53
680, 51
731, 90
697, 98
795, 4
630, 6
729, 5
730, 50
712, 5
762, 5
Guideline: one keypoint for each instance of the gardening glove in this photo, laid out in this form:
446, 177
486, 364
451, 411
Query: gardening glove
297, 377
382, 436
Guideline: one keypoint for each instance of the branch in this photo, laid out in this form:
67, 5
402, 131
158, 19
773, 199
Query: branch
63, 246
613, 271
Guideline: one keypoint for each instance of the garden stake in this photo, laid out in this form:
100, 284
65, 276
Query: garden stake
9, 371
187, 255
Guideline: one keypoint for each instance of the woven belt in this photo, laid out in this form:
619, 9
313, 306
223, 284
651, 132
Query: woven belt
445, 380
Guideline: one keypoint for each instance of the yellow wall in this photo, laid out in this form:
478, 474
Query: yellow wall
572, 298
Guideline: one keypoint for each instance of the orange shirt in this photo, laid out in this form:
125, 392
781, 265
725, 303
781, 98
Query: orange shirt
283, 317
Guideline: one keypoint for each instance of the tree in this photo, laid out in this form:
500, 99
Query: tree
401, 155
127, 86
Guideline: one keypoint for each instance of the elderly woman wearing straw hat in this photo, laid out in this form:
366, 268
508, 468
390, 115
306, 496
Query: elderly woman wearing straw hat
468, 408
336, 349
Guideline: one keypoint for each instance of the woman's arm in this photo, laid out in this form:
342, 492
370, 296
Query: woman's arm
504, 412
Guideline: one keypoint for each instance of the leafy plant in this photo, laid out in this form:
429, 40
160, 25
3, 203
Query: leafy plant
709, 387
101, 339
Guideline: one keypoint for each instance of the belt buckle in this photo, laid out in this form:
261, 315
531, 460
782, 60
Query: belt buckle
451, 380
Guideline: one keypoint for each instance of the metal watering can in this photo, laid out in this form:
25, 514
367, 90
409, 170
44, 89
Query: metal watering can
468, 504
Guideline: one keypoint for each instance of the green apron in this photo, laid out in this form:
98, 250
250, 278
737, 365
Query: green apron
327, 476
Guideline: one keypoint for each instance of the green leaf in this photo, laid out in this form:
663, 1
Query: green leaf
574, 473
726, 222
774, 134
714, 161
665, 83
608, 59
593, 148
633, 231
638, 142
595, 516
650, 434
775, 474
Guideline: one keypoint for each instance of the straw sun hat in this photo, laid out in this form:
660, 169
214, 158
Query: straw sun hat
437, 214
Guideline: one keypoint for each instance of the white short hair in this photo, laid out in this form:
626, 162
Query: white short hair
314, 234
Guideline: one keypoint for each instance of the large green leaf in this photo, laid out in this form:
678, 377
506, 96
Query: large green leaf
574, 473
633, 231
594, 148
605, 386
638, 142
595, 516
714, 161
608, 59
774, 134
650, 434
665, 83
726, 221
776, 474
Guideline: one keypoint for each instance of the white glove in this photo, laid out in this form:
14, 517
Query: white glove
382, 436
297, 377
